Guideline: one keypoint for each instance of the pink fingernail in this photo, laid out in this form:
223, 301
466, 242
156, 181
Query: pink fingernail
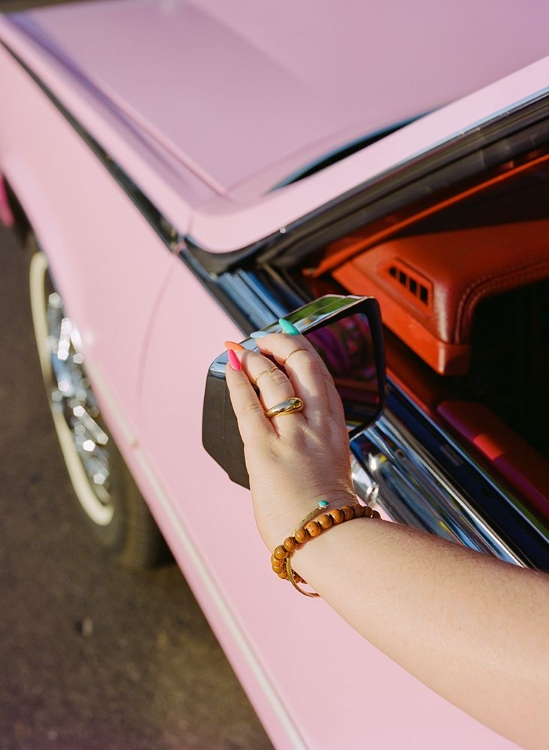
234, 361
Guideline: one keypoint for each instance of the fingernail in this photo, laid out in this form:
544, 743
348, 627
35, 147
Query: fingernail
234, 361
288, 327
258, 334
233, 346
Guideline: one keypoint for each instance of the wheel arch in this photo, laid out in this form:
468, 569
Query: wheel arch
12, 213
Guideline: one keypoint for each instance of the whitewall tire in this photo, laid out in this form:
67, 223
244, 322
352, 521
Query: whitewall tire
107, 494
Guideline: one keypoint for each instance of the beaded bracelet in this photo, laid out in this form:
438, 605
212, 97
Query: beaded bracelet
282, 555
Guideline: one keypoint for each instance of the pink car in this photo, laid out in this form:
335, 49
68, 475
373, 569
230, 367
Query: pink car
191, 172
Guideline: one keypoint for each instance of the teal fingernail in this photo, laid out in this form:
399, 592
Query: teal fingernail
288, 327
259, 334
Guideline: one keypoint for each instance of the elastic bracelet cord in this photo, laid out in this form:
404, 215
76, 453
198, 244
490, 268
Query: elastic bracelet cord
309, 529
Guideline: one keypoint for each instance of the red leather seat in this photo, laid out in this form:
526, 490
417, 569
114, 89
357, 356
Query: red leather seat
429, 285
522, 466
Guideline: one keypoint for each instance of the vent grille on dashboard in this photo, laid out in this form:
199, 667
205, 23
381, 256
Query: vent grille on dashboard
416, 287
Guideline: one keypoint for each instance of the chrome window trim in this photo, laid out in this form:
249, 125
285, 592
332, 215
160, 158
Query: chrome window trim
414, 489
414, 492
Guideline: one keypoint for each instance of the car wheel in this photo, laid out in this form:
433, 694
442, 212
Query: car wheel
105, 489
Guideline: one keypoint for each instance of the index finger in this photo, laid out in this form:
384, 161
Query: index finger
251, 418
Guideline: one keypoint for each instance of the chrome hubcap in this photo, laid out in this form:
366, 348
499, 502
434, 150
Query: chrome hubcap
75, 398
84, 443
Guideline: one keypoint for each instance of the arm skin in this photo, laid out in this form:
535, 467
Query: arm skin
473, 628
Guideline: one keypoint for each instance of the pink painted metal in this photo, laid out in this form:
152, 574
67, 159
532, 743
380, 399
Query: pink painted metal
220, 227
249, 86
192, 143
137, 305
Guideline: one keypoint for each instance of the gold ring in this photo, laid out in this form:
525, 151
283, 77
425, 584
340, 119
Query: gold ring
289, 406
295, 351
265, 372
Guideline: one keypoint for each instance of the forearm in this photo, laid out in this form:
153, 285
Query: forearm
474, 629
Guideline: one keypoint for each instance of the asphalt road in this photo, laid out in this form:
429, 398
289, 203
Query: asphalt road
93, 656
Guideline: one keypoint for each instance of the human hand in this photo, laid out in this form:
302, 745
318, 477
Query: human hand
297, 459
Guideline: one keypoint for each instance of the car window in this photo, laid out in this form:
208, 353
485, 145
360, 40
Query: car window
347, 149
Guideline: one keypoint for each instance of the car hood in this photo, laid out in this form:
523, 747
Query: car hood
247, 93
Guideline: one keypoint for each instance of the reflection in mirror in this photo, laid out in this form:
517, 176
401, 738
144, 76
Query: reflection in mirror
347, 350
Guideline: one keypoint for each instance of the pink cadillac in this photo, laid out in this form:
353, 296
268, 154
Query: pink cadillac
188, 172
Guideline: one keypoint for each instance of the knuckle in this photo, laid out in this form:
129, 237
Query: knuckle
241, 384
251, 408
278, 377
313, 366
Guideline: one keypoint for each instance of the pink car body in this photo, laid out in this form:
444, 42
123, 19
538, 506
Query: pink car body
206, 107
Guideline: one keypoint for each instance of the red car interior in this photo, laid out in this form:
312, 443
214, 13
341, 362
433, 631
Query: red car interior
429, 286
463, 286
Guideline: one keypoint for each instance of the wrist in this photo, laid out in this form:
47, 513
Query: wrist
282, 557
277, 530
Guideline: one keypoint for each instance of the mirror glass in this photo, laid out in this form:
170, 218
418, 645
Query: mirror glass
347, 349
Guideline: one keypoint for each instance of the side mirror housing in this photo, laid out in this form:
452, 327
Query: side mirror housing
346, 331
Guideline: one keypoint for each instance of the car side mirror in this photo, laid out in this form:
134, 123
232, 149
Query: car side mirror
346, 331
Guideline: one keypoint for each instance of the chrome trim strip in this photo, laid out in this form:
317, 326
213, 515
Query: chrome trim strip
413, 491
236, 286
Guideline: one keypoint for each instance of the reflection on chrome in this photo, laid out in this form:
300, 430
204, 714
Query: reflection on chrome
414, 492
75, 400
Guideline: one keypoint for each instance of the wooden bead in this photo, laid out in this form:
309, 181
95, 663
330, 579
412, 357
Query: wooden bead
280, 559
313, 528
325, 521
290, 544
301, 535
